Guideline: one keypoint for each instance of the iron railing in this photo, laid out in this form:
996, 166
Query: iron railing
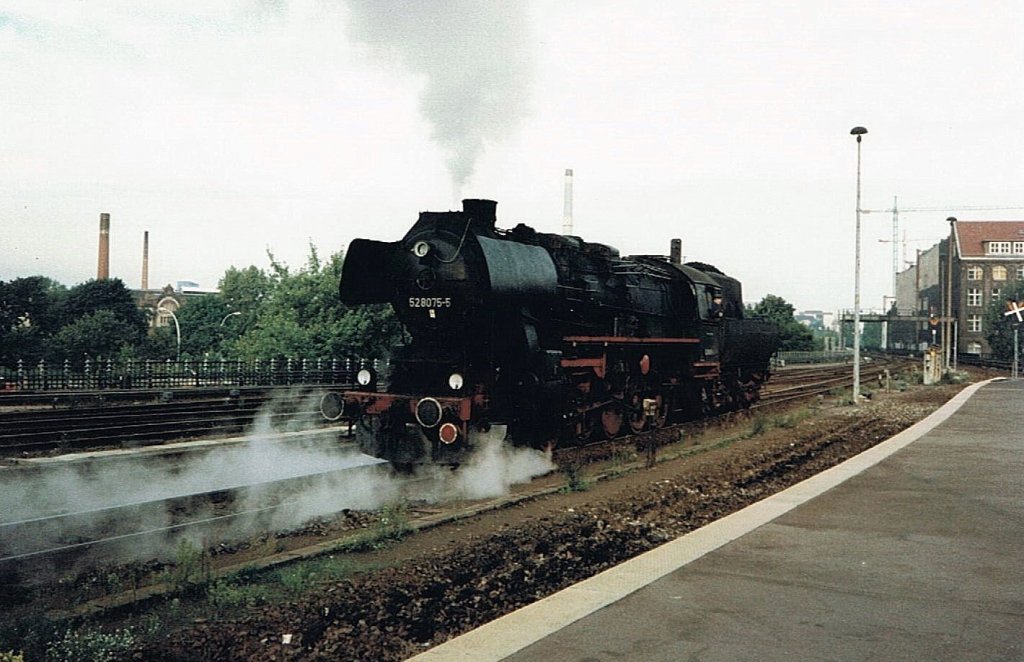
147, 374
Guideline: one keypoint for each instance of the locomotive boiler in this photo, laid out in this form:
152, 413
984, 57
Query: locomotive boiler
557, 339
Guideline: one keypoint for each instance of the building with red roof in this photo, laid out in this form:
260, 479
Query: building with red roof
937, 300
988, 260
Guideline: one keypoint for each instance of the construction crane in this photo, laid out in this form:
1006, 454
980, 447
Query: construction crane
895, 211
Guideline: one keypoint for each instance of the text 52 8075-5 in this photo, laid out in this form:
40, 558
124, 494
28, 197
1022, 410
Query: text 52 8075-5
430, 302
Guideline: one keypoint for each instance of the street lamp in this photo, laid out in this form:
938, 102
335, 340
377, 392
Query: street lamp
229, 315
177, 327
858, 131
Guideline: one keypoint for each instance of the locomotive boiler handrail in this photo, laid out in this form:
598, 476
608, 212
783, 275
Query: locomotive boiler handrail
598, 340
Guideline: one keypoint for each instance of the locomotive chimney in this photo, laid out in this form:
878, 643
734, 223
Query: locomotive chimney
567, 206
676, 252
481, 211
103, 266
145, 260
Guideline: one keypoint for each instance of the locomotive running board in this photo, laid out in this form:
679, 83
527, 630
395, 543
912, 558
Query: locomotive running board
628, 340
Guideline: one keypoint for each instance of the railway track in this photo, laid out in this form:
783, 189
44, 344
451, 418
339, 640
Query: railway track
101, 526
32, 543
45, 431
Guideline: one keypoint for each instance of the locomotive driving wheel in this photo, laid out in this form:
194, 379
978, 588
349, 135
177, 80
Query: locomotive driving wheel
637, 418
661, 417
583, 428
611, 420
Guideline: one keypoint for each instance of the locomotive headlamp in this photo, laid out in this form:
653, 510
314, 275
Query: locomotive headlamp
420, 249
455, 381
448, 433
428, 412
364, 377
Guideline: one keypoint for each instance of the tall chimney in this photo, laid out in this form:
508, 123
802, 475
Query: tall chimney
103, 268
145, 260
567, 207
676, 254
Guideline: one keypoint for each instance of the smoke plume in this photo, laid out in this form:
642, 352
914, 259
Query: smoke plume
476, 57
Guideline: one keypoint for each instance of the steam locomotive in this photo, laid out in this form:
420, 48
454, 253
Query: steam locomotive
557, 339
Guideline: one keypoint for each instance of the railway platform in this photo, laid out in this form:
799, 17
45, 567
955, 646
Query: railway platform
912, 550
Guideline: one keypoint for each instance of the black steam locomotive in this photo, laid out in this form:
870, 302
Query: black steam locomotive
558, 339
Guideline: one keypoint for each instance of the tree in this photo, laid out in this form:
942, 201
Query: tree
793, 336
207, 325
998, 326
300, 314
99, 319
97, 334
29, 314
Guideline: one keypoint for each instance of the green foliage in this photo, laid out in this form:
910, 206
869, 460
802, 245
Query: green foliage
96, 334
191, 568
575, 480
999, 327
29, 313
11, 656
299, 314
793, 336
392, 525
90, 645
259, 314
207, 327
229, 595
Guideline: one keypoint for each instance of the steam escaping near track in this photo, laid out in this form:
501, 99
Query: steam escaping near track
491, 470
477, 59
322, 477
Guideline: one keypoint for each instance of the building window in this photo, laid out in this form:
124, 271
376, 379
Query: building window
974, 323
998, 248
973, 273
974, 347
1020, 272
999, 273
1018, 247
995, 293
974, 296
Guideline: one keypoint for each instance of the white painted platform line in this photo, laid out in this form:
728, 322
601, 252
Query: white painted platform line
513, 632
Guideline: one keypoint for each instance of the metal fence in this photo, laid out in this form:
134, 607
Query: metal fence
125, 375
786, 358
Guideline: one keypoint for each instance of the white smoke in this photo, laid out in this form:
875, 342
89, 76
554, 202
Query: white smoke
477, 60
333, 476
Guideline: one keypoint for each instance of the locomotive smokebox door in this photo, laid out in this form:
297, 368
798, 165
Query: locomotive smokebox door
366, 274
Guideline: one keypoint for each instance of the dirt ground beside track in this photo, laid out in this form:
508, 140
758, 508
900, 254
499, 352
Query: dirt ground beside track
447, 580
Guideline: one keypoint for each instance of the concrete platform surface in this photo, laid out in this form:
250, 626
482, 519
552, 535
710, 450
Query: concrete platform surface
913, 550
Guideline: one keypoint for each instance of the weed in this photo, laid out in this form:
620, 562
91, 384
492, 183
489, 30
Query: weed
191, 568
392, 524
758, 426
575, 481
226, 595
792, 419
89, 645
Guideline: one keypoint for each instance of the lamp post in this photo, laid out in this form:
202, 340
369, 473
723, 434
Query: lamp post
858, 131
948, 341
177, 327
229, 315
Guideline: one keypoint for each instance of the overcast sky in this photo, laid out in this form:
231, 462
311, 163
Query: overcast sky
229, 128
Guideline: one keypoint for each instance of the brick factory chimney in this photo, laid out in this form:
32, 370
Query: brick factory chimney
145, 260
676, 252
567, 206
103, 267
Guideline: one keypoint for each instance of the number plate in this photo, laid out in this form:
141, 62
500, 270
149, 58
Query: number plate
430, 302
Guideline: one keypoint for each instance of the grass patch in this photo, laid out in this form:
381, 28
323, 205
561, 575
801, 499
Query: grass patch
391, 525
575, 480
